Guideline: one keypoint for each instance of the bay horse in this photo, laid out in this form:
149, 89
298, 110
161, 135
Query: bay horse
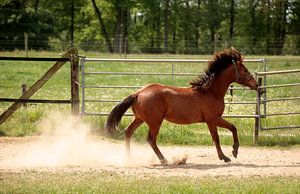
202, 102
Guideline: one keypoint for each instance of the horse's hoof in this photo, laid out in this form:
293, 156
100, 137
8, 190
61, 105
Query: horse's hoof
235, 150
226, 159
235, 153
164, 162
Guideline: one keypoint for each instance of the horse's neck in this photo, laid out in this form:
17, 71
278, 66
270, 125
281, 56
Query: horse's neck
220, 83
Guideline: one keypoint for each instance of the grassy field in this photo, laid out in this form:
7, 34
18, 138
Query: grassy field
106, 182
24, 122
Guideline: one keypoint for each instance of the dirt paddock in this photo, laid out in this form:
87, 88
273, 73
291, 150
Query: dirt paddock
98, 154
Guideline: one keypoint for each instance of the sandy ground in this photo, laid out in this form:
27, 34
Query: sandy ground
77, 153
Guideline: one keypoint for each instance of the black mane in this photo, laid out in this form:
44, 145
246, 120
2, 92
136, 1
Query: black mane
221, 60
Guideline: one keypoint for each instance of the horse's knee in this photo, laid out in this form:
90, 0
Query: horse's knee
232, 128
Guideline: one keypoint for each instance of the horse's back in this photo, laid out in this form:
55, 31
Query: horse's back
162, 93
162, 89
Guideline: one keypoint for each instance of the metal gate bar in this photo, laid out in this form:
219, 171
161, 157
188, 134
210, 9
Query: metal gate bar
265, 115
168, 61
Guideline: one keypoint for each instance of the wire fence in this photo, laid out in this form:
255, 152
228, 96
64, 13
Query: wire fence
125, 45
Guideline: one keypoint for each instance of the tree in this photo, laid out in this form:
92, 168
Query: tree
166, 24
178, 26
294, 27
122, 23
214, 18
279, 22
231, 28
18, 17
102, 26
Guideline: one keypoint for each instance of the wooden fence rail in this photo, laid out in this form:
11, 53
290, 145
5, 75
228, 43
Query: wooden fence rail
72, 56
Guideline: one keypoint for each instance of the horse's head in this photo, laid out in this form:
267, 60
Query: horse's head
243, 76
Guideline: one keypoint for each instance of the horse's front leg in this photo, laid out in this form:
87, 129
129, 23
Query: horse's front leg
215, 136
220, 122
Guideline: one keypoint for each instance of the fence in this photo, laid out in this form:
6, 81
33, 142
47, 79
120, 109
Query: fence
264, 114
84, 85
132, 44
84, 62
72, 56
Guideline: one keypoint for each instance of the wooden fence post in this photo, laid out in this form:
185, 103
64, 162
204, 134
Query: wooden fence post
36, 86
24, 88
26, 43
74, 61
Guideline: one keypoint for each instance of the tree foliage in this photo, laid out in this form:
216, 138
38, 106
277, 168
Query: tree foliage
153, 26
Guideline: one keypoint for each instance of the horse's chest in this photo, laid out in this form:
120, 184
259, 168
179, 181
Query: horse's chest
212, 107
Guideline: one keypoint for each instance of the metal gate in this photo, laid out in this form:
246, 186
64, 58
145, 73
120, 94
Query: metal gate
264, 114
170, 64
260, 101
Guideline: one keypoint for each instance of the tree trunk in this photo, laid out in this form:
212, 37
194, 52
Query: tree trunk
268, 9
212, 38
166, 25
282, 32
253, 5
158, 38
187, 38
198, 23
72, 23
118, 27
103, 29
36, 5
212, 24
126, 17
231, 27
174, 26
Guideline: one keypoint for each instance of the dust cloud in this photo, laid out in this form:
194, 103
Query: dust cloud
67, 140
67, 144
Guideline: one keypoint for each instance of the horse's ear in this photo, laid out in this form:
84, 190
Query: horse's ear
235, 51
240, 61
236, 54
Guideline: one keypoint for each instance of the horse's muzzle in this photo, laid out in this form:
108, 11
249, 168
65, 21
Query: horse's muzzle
255, 87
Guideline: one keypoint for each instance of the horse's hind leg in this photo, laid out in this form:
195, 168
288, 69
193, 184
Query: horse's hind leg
129, 131
153, 132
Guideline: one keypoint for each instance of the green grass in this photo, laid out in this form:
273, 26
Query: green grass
108, 182
24, 122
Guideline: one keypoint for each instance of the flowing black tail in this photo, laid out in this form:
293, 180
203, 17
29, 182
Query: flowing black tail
117, 112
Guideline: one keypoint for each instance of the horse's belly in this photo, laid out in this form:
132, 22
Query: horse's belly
182, 122
183, 118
